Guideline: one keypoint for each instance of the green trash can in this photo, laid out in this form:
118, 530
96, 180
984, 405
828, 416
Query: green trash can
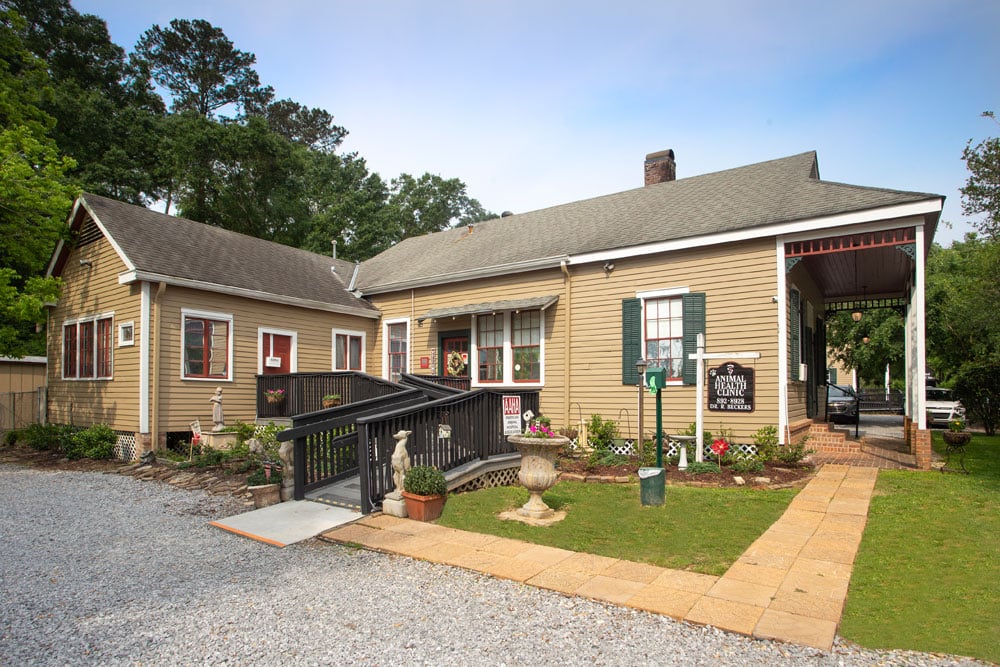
652, 484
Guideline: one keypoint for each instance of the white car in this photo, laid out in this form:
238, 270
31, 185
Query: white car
942, 407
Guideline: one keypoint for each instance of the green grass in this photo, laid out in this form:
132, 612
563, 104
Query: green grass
697, 529
927, 575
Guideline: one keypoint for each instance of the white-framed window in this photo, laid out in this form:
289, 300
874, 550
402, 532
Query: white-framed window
663, 331
508, 348
395, 348
206, 345
126, 334
87, 348
348, 350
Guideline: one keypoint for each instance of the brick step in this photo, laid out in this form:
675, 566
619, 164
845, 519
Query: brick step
826, 440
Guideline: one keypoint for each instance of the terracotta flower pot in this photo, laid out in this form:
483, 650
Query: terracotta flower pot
423, 508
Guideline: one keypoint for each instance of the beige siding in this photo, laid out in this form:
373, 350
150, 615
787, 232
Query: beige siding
21, 376
739, 283
91, 290
183, 400
799, 279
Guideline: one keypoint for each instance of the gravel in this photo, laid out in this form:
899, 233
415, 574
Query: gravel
103, 569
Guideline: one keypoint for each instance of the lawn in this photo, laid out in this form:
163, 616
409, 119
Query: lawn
698, 529
927, 575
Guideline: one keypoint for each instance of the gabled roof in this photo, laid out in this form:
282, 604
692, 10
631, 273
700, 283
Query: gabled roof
755, 196
158, 247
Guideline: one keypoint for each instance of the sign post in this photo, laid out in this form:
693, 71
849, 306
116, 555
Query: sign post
700, 356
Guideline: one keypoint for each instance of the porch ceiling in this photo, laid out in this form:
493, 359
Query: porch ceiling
874, 272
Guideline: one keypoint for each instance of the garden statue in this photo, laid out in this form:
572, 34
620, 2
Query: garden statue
400, 464
217, 416
286, 453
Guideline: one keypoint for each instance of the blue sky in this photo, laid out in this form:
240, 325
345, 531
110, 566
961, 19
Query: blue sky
534, 104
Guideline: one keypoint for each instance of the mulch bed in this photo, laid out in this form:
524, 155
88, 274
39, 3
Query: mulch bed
778, 476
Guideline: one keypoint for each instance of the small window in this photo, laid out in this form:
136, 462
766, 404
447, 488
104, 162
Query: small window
526, 343
206, 347
126, 334
398, 338
489, 343
348, 352
87, 349
664, 321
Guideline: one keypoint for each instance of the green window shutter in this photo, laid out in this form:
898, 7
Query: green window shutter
631, 339
831, 375
693, 310
795, 332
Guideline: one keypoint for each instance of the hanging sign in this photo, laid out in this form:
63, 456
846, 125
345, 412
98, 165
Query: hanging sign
511, 415
730, 388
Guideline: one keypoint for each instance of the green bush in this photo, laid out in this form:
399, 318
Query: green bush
749, 464
766, 439
10, 438
95, 442
792, 454
692, 429
259, 477
425, 481
43, 436
601, 434
977, 387
696, 468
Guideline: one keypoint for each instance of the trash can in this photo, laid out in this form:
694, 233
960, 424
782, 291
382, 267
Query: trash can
652, 483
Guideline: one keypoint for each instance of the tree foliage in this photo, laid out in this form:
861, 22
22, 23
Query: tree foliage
884, 330
978, 387
981, 193
201, 68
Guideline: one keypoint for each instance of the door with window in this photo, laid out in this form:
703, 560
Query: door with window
455, 356
276, 354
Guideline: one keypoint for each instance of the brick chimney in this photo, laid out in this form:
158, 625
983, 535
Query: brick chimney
660, 167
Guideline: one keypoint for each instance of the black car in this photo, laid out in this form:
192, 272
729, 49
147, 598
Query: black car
841, 404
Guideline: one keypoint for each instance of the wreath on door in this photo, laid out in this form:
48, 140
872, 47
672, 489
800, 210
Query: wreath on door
456, 363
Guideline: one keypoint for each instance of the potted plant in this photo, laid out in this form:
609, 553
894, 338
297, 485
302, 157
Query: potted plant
274, 395
264, 484
424, 490
331, 400
956, 435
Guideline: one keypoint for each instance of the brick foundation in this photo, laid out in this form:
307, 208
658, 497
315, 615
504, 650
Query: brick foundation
143, 444
920, 445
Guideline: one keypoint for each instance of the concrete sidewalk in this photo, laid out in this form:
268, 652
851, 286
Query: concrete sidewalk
789, 585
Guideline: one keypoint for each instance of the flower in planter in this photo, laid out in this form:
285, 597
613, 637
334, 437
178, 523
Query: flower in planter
274, 395
956, 425
536, 430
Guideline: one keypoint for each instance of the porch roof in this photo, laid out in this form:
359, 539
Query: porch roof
530, 303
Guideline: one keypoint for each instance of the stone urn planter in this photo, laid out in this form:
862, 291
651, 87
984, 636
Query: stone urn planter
265, 495
538, 471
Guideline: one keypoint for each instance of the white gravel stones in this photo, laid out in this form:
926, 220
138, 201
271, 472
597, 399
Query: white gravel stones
103, 569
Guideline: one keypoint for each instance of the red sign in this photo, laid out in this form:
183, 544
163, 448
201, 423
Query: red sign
425, 362
511, 415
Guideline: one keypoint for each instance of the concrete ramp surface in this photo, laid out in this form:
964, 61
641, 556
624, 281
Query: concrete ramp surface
287, 523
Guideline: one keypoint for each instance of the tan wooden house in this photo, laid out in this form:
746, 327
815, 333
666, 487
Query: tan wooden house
567, 298
157, 311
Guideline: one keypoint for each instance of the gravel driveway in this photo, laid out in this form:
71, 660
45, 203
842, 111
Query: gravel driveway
103, 569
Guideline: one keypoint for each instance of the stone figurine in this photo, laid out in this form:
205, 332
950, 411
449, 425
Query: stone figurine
286, 453
217, 415
400, 463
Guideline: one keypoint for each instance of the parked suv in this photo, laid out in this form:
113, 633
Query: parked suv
841, 404
942, 407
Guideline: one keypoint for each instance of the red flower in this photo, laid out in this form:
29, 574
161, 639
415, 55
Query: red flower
720, 447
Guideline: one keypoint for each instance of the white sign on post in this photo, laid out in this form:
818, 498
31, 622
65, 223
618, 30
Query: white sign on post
511, 415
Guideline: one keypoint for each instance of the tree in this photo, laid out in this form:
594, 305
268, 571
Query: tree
201, 68
981, 193
884, 329
978, 387
34, 193
430, 204
963, 297
313, 128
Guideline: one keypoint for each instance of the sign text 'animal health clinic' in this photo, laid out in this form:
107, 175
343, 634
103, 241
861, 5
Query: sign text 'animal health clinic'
730, 388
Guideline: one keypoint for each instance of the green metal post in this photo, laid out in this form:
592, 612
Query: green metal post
659, 429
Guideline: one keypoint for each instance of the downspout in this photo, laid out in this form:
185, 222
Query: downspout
154, 380
566, 333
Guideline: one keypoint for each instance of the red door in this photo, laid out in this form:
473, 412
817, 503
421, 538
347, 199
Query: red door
455, 355
277, 354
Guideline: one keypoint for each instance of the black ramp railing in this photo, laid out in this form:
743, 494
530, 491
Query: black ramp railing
445, 433
326, 442
304, 392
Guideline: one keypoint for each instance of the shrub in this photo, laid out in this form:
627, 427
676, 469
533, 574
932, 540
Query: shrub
259, 477
43, 436
425, 481
977, 387
793, 454
696, 468
95, 442
766, 439
10, 438
692, 429
601, 434
749, 464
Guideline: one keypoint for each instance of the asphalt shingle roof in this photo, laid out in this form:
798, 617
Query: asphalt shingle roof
179, 248
766, 193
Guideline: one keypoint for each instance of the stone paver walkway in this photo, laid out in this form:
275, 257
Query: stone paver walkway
790, 585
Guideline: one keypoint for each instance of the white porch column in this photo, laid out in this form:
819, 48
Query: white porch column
782, 334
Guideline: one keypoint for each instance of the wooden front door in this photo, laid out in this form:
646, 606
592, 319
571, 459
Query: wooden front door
276, 353
459, 346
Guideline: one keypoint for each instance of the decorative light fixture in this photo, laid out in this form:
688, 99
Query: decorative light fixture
865, 339
609, 266
856, 314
